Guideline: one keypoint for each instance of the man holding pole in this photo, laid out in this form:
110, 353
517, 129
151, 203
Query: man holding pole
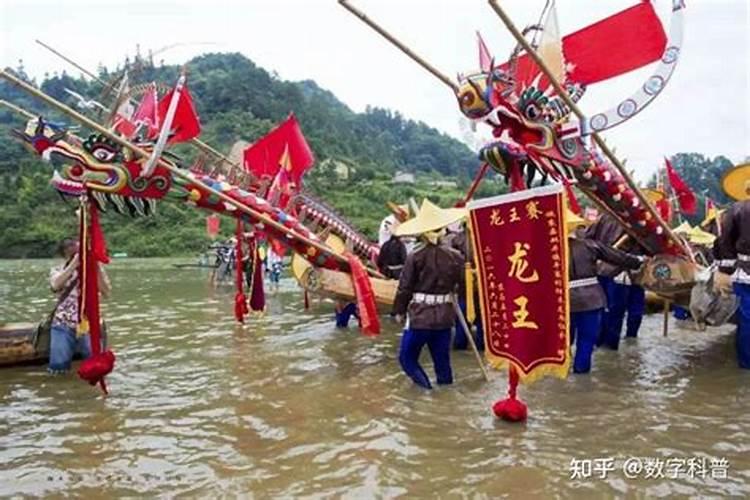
425, 294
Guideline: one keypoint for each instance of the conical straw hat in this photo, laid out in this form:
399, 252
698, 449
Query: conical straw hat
698, 236
430, 218
572, 220
736, 182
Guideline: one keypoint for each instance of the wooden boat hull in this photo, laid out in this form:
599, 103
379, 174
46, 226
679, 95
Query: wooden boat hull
337, 284
23, 343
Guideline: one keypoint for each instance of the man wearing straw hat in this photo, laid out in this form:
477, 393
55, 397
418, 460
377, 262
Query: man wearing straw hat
587, 298
425, 294
732, 251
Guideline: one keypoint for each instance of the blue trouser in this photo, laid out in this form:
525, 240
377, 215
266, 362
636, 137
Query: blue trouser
584, 328
343, 316
460, 340
742, 290
607, 284
64, 345
630, 299
680, 312
439, 343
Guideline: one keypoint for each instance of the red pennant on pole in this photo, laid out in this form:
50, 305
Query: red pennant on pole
685, 196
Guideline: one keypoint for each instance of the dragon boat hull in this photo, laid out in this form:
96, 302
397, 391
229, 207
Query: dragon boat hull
28, 344
338, 284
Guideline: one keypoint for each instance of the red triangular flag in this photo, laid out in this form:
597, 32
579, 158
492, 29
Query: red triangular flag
685, 196
185, 125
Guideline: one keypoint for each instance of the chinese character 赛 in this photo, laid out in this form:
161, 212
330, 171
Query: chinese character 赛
532, 210
495, 218
519, 264
521, 314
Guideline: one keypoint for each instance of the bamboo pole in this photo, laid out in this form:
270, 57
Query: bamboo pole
403, 48
665, 330
470, 336
577, 111
16, 109
195, 141
174, 170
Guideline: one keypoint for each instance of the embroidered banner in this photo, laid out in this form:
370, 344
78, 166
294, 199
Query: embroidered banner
522, 261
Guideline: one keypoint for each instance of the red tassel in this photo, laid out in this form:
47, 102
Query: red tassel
368, 311
572, 201
511, 409
95, 368
257, 293
240, 301
94, 249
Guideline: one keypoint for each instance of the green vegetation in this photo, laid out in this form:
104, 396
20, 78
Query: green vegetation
238, 100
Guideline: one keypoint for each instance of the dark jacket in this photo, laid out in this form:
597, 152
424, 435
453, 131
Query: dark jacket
584, 254
608, 231
434, 270
392, 257
734, 242
457, 241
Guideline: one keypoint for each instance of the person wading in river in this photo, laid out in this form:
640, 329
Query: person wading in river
732, 251
64, 342
425, 294
587, 299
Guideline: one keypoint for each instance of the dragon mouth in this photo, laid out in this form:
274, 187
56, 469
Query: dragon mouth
65, 186
126, 205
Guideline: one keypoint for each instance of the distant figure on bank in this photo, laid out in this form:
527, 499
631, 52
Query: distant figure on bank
392, 257
587, 299
457, 239
732, 251
64, 342
425, 294
274, 267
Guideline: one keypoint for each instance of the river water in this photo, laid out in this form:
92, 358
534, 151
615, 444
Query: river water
289, 406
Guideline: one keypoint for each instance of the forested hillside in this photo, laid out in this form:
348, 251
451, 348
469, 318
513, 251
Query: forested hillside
238, 100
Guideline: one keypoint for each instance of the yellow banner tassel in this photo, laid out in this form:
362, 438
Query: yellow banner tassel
83, 327
469, 278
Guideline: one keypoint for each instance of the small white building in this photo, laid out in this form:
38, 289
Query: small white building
404, 178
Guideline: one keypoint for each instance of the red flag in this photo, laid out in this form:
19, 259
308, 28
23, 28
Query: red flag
185, 124
283, 187
212, 226
147, 113
263, 158
613, 46
685, 197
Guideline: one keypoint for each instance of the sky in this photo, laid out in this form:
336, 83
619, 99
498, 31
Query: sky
705, 108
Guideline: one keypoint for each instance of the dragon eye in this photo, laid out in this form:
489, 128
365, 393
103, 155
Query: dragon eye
532, 111
103, 154
468, 98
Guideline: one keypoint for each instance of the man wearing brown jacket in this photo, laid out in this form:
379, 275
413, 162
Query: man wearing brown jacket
587, 298
425, 294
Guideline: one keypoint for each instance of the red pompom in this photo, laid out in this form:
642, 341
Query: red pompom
511, 409
95, 368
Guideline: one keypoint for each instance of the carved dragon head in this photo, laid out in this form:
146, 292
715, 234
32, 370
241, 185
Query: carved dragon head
110, 173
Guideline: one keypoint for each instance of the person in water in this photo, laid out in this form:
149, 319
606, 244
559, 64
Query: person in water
732, 251
430, 277
587, 298
457, 239
64, 341
391, 257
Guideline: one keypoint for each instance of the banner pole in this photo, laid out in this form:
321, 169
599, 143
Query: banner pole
470, 336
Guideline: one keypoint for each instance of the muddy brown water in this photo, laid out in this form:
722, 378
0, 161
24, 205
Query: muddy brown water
289, 406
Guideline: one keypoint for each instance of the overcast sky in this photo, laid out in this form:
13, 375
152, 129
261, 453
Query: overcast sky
705, 108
